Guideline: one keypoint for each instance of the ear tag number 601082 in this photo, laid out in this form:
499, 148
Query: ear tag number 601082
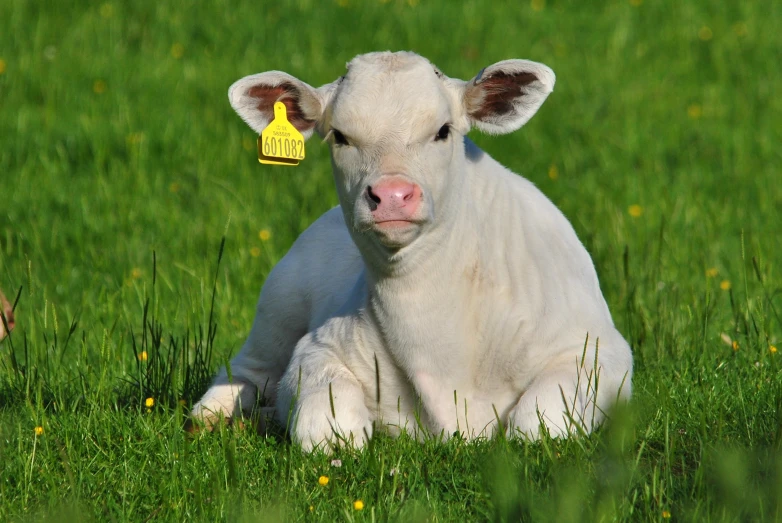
280, 143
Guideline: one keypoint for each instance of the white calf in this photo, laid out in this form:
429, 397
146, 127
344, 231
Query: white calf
446, 293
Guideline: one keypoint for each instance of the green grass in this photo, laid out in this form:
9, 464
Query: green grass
122, 168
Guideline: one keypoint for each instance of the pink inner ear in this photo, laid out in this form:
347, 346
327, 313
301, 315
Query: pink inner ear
286, 93
498, 93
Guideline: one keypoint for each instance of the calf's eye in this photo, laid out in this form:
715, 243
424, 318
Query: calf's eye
339, 138
443, 133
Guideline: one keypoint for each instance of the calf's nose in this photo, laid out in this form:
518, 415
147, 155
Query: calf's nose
393, 192
393, 199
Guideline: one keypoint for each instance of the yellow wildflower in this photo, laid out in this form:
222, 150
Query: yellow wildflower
149, 402
174, 187
666, 514
264, 235
255, 252
323, 481
553, 172
735, 345
135, 273
99, 87
143, 356
2, 66
694, 111
358, 505
636, 3
135, 138
39, 431
705, 33
177, 50
740, 29
537, 5
712, 272
725, 285
635, 210
106, 10
772, 349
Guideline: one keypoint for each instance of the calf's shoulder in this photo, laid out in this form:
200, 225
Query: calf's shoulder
319, 271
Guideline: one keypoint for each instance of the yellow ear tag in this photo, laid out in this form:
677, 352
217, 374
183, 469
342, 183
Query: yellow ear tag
280, 143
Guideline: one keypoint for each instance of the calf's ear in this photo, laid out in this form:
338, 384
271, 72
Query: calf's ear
504, 96
253, 98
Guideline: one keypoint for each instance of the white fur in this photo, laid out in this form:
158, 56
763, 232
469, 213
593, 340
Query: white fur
486, 314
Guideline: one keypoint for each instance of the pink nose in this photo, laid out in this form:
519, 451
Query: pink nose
392, 199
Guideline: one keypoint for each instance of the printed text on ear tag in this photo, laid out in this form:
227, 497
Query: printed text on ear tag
280, 143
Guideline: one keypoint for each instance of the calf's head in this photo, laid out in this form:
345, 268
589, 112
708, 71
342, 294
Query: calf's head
395, 125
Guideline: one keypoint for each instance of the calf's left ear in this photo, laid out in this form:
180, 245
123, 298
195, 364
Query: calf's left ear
504, 96
253, 98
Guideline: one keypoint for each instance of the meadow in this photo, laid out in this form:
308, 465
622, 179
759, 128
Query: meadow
137, 227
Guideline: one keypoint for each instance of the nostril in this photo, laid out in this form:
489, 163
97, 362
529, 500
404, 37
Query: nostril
408, 196
372, 198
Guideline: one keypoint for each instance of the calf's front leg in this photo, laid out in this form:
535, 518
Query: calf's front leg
567, 398
226, 399
320, 400
256, 370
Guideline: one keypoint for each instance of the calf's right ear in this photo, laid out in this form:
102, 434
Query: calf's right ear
253, 98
